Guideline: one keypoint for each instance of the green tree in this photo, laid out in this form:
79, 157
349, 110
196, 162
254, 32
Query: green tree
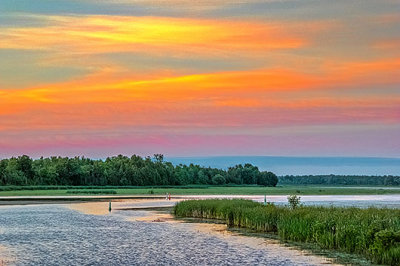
267, 179
13, 175
123, 170
218, 179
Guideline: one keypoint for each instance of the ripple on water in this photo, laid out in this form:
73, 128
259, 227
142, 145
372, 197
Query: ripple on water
56, 235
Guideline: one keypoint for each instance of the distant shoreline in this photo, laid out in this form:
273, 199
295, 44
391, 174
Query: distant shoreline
160, 193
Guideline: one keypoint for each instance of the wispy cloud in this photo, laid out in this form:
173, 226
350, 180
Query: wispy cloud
225, 99
154, 35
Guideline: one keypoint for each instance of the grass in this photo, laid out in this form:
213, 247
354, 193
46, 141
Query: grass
98, 192
372, 233
205, 190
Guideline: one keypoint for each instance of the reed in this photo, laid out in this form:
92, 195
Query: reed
373, 233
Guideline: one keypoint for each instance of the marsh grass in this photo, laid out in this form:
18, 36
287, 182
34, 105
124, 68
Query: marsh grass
373, 233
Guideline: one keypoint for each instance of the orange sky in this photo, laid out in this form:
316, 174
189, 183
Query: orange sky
199, 73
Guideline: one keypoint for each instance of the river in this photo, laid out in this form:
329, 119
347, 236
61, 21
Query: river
86, 234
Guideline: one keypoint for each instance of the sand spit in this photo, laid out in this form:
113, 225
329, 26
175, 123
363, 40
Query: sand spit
156, 217
5, 257
102, 207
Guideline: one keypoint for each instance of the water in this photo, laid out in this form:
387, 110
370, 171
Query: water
58, 235
361, 201
302, 165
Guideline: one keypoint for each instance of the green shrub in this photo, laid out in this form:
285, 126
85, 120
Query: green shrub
294, 201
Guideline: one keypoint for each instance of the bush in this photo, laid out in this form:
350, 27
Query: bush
294, 201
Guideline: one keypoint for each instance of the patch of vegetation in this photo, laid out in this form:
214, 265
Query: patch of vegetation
107, 192
294, 201
197, 190
373, 233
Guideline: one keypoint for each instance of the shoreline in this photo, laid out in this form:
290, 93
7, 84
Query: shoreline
367, 200
33, 200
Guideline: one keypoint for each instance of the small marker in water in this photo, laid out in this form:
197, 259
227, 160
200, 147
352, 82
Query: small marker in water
109, 206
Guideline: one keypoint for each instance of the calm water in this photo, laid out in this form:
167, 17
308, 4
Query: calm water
362, 201
57, 235
302, 165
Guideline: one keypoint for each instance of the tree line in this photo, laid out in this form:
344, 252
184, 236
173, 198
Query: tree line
123, 171
386, 180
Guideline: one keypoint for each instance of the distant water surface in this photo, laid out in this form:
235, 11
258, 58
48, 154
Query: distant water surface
302, 165
359, 201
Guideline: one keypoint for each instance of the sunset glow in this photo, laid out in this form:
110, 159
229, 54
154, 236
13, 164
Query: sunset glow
99, 79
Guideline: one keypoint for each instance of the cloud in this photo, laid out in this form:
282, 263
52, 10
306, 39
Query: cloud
153, 81
102, 87
225, 100
154, 35
391, 45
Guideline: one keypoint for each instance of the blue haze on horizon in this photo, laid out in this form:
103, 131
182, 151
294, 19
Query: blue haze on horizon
302, 165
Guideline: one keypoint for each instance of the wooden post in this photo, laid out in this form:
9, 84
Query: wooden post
109, 206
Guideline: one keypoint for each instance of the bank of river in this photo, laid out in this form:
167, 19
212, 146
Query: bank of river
63, 235
387, 200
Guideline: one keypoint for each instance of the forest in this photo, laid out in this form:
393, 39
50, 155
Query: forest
387, 180
123, 171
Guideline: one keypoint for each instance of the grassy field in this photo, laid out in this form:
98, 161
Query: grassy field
245, 190
373, 233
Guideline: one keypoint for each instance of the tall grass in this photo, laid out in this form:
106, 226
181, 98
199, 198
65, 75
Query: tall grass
373, 233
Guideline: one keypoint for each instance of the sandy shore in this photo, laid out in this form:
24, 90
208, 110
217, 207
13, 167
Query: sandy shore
5, 257
102, 207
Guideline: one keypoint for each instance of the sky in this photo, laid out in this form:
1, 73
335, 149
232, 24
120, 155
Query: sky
98, 78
